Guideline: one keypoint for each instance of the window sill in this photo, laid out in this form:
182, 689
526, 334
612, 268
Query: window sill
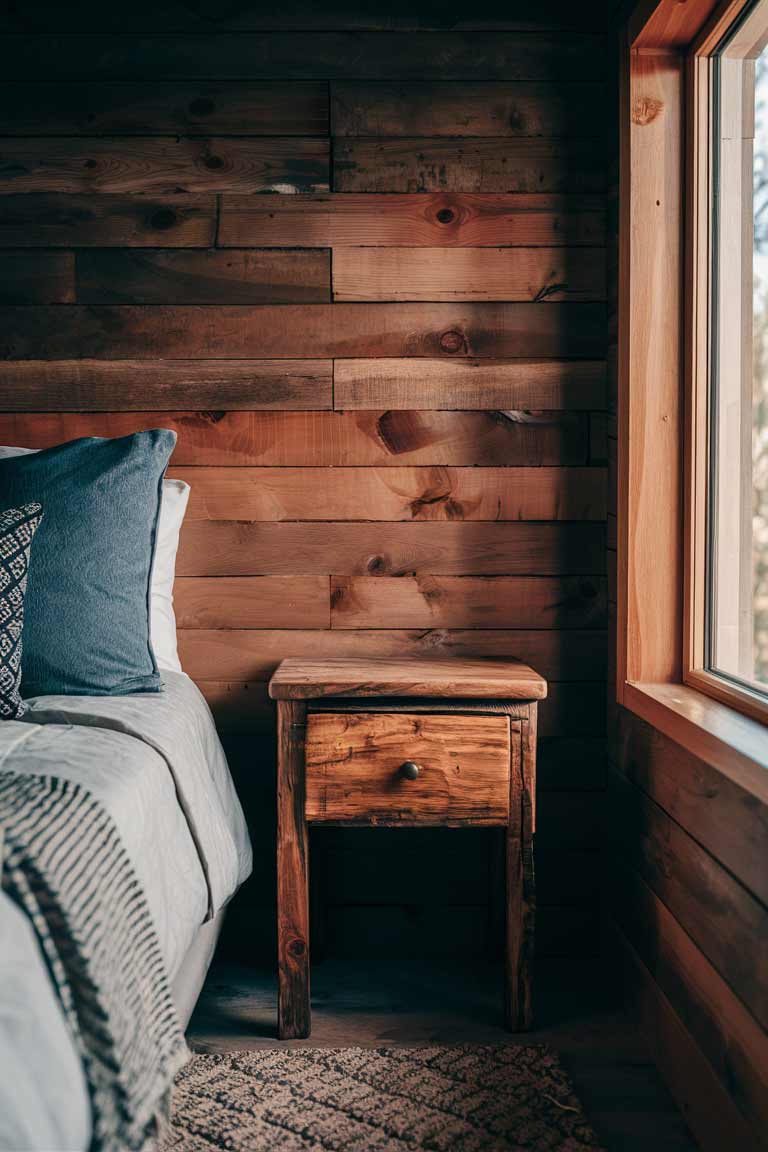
722, 737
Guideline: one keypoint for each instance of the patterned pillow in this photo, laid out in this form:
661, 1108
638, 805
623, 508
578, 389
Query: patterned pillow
17, 527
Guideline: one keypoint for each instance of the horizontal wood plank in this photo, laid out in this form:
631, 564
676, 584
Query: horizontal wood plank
404, 935
708, 1108
178, 276
103, 385
386, 494
469, 384
163, 165
32, 277
727, 819
574, 711
253, 15
565, 763
472, 164
728, 1035
479, 109
467, 602
425, 868
119, 332
328, 439
238, 548
722, 917
104, 109
567, 766
56, 220
273, 602
536, 274
298, 55
437, 219
230, 649
352, 768
419, 680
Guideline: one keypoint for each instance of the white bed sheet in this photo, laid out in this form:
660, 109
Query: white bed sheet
156, 764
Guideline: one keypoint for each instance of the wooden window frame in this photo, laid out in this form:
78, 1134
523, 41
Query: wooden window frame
662, 359
698, 324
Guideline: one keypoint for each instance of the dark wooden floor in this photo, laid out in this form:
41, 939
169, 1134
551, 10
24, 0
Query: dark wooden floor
625, 1100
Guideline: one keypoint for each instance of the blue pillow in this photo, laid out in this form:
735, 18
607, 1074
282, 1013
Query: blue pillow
86, 620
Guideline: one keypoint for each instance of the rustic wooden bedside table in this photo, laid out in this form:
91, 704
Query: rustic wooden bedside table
403, 743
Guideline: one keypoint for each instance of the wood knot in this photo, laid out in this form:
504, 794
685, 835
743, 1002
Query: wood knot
645, 109
297, 948
162, 219
550, 290
445, 215
453, 341
213, 162
376, 565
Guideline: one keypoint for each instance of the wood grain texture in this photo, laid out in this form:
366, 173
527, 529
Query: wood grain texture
709, 1110
134, 385
353, 762
469, 165
272, 602
422, 865
440, 219
469, 384
238, 548
32, 277
537, 274
178, 276
467, 602
727, 819
238, 646
210, 312
723, 918
125, 332
56, 220
726, 1032
480, 109
251, 15
571, 712
296, 55
297, 678
151, 109
293, 1004
649, 593
519, 877
389, 494
329, 439
162, 165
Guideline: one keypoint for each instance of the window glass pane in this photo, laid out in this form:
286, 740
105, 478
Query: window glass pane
738, 500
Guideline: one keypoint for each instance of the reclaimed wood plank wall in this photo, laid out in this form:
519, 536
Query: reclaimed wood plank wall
357, 262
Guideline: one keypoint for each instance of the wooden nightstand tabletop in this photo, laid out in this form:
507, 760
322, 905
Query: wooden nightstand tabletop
298, 679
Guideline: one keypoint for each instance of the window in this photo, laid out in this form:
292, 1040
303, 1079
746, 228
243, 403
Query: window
731, 656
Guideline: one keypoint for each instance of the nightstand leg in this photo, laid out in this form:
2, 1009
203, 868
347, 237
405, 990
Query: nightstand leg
520, 882
293, 1006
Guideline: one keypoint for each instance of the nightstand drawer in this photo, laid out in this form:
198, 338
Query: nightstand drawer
407, 768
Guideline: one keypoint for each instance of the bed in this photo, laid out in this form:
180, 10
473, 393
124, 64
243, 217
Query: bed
156, 764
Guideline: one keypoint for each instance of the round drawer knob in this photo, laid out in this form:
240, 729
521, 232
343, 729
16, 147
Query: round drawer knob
409, 770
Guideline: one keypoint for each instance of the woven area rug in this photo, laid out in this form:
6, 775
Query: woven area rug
446, 1099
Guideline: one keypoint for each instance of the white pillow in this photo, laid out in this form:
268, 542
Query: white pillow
162, 624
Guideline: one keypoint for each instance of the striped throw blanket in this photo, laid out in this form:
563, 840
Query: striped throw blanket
65, 866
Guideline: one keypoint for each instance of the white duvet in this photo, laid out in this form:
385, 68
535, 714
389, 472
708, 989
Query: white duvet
156, 764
